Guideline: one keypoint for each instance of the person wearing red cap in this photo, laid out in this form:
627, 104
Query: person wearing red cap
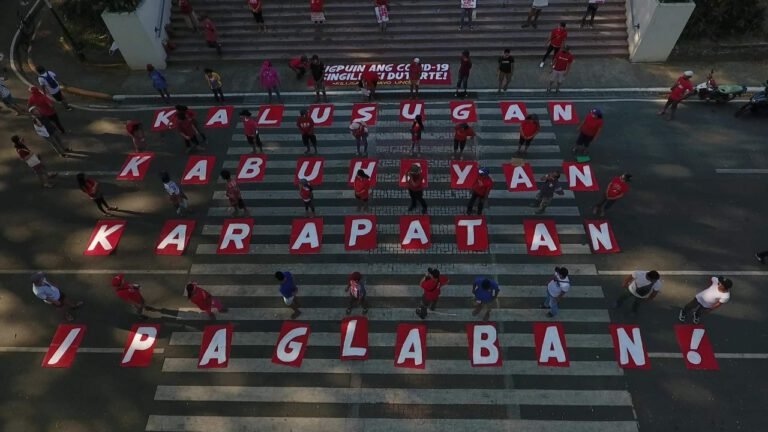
357, 294
136, 132
362, 185
480, 190
588, 130
529, 128
430, 284
130, 293
414, 77
617, 188
204, 300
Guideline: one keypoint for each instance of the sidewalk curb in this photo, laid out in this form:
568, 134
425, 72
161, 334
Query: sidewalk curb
69, 89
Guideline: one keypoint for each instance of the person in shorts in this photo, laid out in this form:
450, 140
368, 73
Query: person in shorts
431, 284
52, 295
550, 185
289, 292
485, 291
529, 128
250, 129
561, 65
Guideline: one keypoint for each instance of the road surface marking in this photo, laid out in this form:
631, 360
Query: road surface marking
741, 171
396, 249
437, 229
412, 267
298, 211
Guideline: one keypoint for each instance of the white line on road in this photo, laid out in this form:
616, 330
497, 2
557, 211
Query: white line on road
402, 136
397, 249
741, 171
298, 211
433, 164
412, 267
336, 229
88, 173
380, 194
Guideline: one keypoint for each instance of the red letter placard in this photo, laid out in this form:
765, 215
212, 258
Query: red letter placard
306, 235
219, 117
405, 165
551, 350
310, 168
140, 345
513, 112
541, 237
519, 177
291, 344
198, 170
580, 177
463, 112
105, 237
174, 237
164, 120
411, 346
471, 233
463, 174
563, 113
360, 232
63, 347
696, 348
370, 166
354, 338
365, 112
415, 232
270, 116
600, 234
235, 237
322, 114
214, 350
136, 166
410, 109
629, 350
251, 168
484, 349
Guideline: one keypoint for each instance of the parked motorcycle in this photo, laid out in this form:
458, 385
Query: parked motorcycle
710, 90
757, 103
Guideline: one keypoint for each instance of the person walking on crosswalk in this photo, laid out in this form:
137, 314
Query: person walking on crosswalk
486, 291
204, 300
359, 130
177, 196
357, 293
362, 186
307, 197
307, 129
289, 291
251, 131
550, 185
185, 125
557, 288
234, 195
480, 191
529, 128
415, 182
130, 293
588, 131
643, 286
52, 295
431, 283
417, 127
159, 82
718, 293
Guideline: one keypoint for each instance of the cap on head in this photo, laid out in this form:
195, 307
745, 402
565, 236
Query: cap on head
117, 281
38, 277
688, 73
597, 112
483, 171
627, 177
724, 281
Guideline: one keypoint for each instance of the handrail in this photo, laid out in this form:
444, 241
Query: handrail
159, 26
632, 15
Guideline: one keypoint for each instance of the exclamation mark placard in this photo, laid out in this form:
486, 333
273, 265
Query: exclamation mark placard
695, 346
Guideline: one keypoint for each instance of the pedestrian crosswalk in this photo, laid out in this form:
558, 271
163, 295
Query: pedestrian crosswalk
327, 394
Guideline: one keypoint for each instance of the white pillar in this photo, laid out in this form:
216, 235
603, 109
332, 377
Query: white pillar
140, 34
654, 28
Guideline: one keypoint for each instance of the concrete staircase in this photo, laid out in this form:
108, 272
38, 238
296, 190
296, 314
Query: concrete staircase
424, 28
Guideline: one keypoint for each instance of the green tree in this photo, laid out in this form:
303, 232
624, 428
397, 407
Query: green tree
715, 19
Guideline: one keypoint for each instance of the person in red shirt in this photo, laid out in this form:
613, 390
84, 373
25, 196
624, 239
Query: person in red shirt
233, 194
357, 293
307, 128
40, 101
462, 132
561, 65
136, 132
90, 187
417, 127
414, 77
680, 91
211, 34
299, 65
414, 180
188, 130
368, 81
359, 130
556, 40
529, 128
465, 65
250, 130
307, 196
362, 186
204, 300
381, 10
255, 6
188, 13
589, 130
33, 161
480, 191
617, 188
317, 11
431, 284
130, 293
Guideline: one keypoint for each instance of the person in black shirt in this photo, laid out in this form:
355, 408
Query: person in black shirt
506, 67
318, 75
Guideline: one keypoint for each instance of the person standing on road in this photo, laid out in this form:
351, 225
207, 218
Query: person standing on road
430, 283
682, 89
136, 132
251, 131
414, 78
643, 286
214, 82
561, 65
465, 65
550, 185
467, 10
591, 11
556, 40
7, 98
270, 80
588, 130
486, 291
44, 106
317, 68
306, 192
299, 66
358, 296
417, 127
461, 132
381, 10
258, 15
45, 129
362, 186
529, 128
204, 300
415, 183
159, 82
52, 295
185, 125
707, 300
189, 15
130, 293
234, 195
557, 288
289, 291
533, 15
617, 188
359, 130
91, 188
33, 161
175, 194
506, 68
307, 129
480, 191
50, 85
211, 33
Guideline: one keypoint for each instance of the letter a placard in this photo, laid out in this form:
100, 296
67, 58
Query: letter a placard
215, 347
198, 170
411, 346
219, 117
174, 237
291, 344
306, 236
415, 232
551, 349
541, 237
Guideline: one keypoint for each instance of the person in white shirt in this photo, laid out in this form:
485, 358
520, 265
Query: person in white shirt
175, 194
642, 285
533, 15
50, 86
557, 287
708, 300
52, 295
591, 11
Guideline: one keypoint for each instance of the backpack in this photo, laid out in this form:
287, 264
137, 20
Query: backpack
52, 83
644, 290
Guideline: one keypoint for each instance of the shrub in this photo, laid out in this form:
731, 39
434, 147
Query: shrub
715, 19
